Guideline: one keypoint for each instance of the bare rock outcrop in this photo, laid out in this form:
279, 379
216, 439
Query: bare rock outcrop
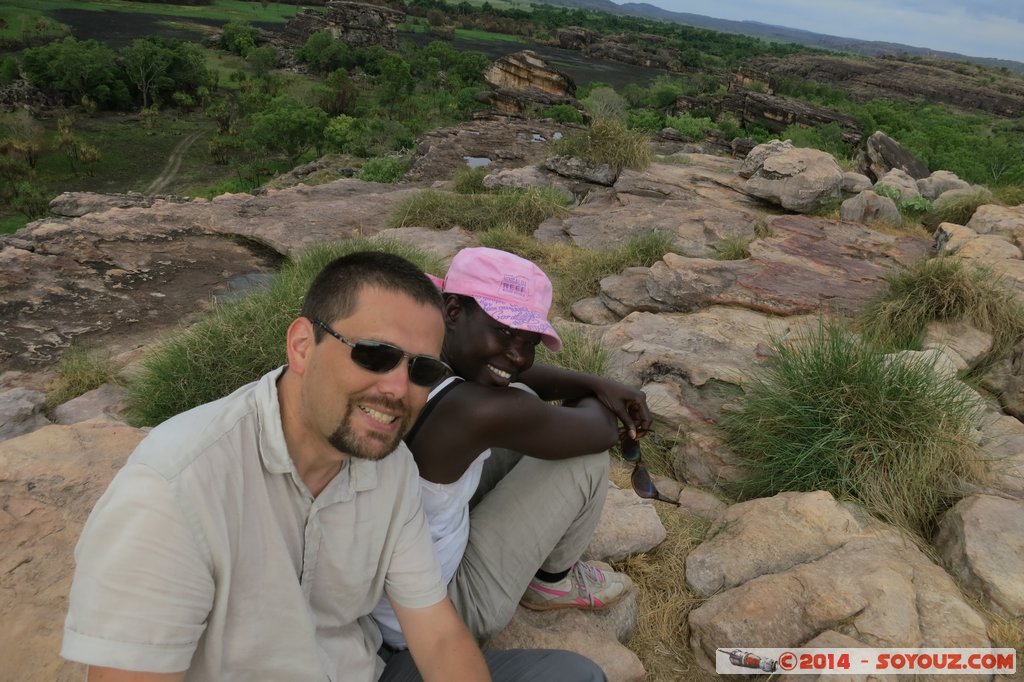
776, 113
868, 207
504, 143
882, 154
522, 79
901, 181
910, 79
980, 540
49, 481
807, 263
938, 182
799, 180
356, 24
781, 571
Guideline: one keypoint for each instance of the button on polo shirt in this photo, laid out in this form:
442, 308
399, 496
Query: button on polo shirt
208, 553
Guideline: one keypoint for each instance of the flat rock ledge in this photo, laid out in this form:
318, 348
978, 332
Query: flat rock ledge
785, 570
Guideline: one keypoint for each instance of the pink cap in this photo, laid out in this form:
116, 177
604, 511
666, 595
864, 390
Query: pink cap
510, 289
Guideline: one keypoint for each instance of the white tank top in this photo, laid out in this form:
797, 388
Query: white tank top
446, 506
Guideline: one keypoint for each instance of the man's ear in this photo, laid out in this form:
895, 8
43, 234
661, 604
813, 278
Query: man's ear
452, 309
300, 341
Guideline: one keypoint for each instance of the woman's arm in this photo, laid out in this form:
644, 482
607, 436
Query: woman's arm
628, 404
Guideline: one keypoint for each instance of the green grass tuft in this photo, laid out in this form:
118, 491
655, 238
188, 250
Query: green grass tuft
834, 413
79, 371
239, 341
957, 210
581, 352
732, 248
383, 169
611, 142
469, 181
944, 289
521, 210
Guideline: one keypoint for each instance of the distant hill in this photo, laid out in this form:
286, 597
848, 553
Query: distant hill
771, 32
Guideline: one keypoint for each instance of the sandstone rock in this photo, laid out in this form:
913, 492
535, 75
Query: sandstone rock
855, 182
628, 525
124, 275
517, 178
830, 639
1007, 221
954, 194
21, 411
943, 364
756, 157
884, 154
805, 262
704, 459
800, 180
901, 181
105, 402
506, 143
49, 481
1002, 446
1006, 379
441, 244
775, 113
575, 37
593, 311
845, 573
74, 204
701, 503
966, 342
354, 23
524, 78
966, 243
907, 80
981, 539
577, 168
938, 182
868, 207
641, 49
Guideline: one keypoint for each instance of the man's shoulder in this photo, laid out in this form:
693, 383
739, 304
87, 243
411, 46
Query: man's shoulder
211, 430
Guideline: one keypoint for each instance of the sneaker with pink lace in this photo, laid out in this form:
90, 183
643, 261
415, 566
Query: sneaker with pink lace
586, 587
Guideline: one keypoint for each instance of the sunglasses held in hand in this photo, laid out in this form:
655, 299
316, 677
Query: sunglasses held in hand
380, 358
640, 478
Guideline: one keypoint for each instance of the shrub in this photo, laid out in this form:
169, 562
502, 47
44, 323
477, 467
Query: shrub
608, 141
8, 70
79, 371
521, 210
956, 210
564, 113
239, 341
605, 103
690, 127
383, 169
943, 289
913, 206
834, 413
827, 138
645, 119
1009, 195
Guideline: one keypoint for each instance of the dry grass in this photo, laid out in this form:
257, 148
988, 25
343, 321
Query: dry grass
661, 640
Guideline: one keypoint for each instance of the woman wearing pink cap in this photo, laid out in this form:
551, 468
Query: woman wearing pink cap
508, 528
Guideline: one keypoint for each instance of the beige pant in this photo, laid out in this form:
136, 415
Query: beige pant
527, 514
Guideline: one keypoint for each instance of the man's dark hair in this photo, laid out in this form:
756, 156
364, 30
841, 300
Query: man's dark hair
334, 292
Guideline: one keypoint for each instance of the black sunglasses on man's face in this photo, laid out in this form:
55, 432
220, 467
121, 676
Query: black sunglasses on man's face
380, 358
640, 478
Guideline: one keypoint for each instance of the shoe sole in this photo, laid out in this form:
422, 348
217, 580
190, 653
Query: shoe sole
557, 606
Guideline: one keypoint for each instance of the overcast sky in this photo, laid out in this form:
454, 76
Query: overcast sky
977, 28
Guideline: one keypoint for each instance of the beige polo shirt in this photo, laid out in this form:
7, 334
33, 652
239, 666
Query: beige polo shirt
208, 553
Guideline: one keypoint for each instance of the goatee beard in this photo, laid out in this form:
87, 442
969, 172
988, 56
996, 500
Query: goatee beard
373, 446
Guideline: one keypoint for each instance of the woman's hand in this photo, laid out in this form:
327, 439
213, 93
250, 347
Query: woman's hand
628, 404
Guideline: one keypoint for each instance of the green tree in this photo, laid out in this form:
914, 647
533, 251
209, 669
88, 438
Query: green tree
286, 126
146, 62
239, 36
341, 131
324, 54
77, 70
262, 60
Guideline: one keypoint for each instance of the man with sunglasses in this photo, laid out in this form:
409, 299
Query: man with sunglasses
249, 538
